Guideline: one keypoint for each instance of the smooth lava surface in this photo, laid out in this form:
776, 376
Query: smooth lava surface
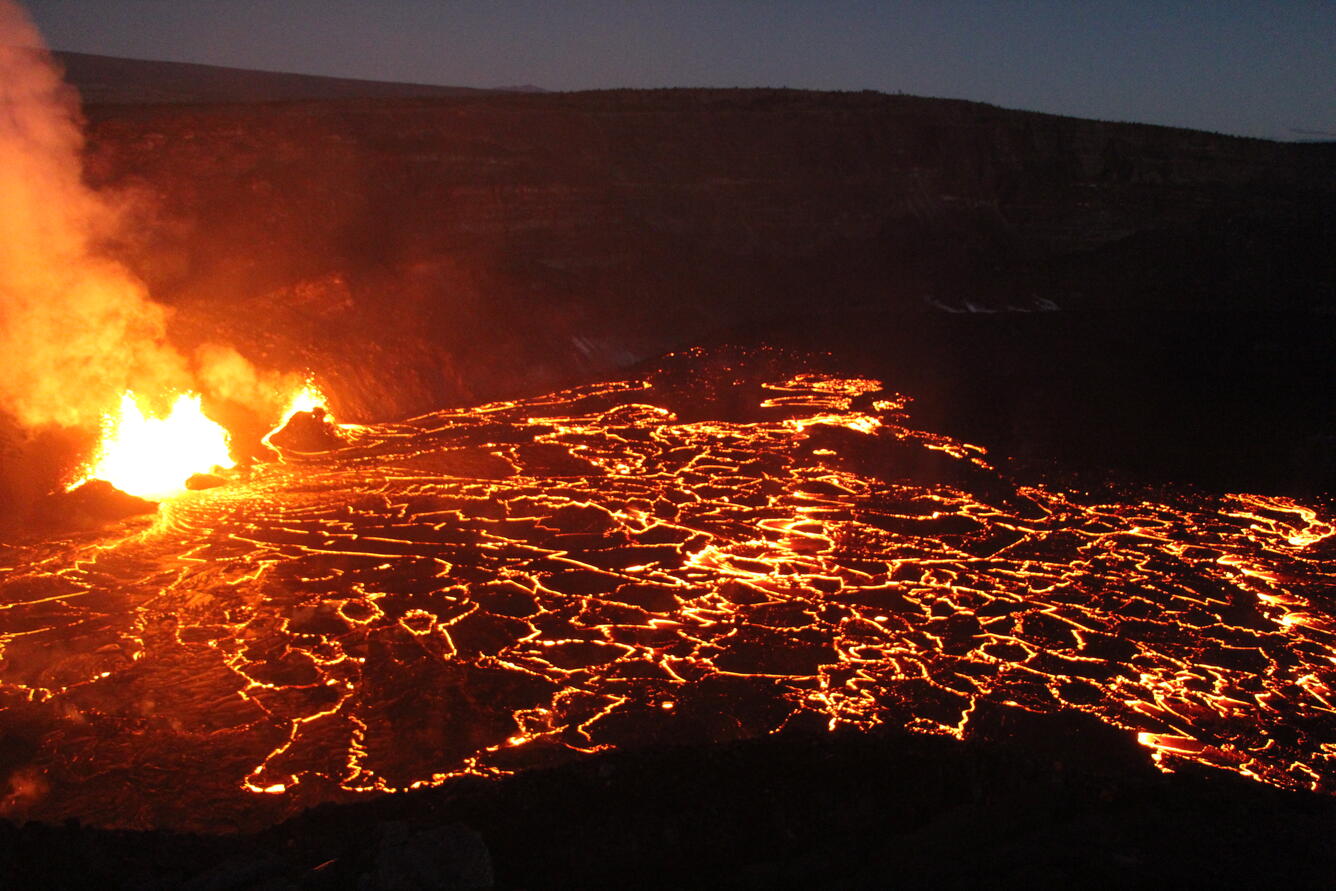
736, 545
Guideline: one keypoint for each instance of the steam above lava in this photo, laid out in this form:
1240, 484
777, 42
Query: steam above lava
76, 329
84, 343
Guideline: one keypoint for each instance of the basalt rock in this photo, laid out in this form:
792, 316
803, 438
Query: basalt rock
417, 252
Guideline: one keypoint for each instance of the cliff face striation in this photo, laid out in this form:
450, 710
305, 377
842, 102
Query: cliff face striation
508, 241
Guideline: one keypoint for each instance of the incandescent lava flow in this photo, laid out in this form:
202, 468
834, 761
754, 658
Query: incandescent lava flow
733, 546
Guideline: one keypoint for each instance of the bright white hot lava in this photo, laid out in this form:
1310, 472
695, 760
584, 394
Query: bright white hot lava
151, 456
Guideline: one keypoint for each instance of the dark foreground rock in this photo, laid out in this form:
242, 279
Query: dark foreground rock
1034, 801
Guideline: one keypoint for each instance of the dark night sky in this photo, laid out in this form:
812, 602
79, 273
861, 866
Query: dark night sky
1256, 68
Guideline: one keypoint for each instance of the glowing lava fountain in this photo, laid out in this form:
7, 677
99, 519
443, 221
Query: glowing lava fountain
152, 457
307, 398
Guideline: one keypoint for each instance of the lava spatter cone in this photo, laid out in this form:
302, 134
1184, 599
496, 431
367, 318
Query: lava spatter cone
307, 431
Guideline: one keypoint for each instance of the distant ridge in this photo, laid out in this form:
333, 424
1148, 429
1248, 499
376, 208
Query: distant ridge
111, 80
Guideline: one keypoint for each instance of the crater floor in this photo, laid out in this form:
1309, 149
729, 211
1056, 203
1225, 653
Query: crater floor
736, 545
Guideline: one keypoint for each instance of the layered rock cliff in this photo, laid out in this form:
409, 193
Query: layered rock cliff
511, 241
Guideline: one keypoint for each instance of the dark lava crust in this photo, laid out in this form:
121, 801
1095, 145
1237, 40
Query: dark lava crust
1047, 802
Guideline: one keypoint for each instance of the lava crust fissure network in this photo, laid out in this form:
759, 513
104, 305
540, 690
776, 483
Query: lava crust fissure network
732, 547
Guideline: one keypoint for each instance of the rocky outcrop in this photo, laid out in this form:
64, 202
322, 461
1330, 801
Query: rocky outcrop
511, 241
1041, 800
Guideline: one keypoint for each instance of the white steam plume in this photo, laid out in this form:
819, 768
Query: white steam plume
76, 329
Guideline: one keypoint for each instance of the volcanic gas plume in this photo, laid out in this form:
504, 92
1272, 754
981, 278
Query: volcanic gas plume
77, 329
84, 344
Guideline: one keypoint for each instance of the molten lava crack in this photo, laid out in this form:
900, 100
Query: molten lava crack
699, 556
